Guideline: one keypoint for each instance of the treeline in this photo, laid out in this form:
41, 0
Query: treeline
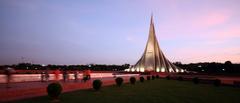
95, 67
206, 67
212, 67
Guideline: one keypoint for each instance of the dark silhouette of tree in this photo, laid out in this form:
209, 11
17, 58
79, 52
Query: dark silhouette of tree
228, 63
228, 66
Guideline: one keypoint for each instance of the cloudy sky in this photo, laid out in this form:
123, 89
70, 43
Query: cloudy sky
116, 31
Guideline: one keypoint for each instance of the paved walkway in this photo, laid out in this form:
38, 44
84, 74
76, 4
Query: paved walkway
33, 89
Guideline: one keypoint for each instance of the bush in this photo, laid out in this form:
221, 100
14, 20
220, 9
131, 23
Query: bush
168, 77
142, 79
217, 82
195, 80
132, 80
153, 77
119, 81
54, 90
97, 84
157, 76
148, 78
180, 78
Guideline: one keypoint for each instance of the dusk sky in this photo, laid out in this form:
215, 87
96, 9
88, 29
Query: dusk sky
116, 31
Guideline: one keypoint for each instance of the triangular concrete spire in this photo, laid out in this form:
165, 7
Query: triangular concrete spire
153, 58
151, 19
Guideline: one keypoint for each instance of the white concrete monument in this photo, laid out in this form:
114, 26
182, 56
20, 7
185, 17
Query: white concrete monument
153, 59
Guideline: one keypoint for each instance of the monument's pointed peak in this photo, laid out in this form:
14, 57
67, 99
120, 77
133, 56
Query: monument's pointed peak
151, 18
151, 29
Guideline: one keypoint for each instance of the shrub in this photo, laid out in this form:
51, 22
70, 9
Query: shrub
180, 78
148, 78
217, 82
97, 84
153, 77
119, 81
142, 79
168, 77
54, 90
132, 80
157, 76
195, 80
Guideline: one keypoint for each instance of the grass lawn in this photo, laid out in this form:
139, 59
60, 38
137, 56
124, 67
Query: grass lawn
153, 91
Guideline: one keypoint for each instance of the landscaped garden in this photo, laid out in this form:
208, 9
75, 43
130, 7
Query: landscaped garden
150, 91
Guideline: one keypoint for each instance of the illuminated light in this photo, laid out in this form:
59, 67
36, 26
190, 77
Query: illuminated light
133, 70
223, 69
177, 70
199, 66
171, 70
203, 70
141, 69
162, 69
127, 70
182, 70
138, 70
157, 70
